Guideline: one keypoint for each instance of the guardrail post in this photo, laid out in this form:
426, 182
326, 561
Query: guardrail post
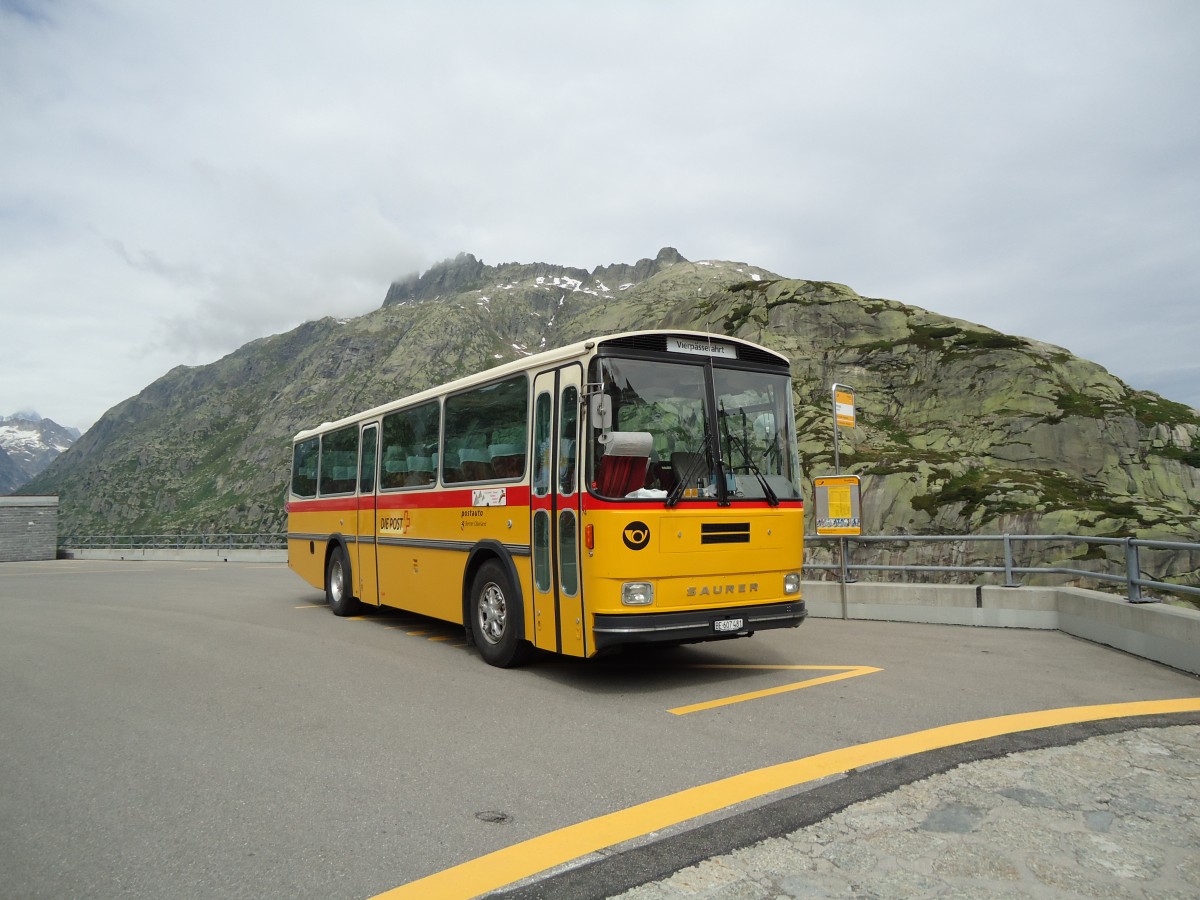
1008, 562
1133, 572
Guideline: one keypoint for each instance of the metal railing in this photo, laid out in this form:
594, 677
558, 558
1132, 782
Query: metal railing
1131, 576
230, 541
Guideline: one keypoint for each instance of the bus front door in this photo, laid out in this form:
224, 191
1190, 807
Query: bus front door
555, 511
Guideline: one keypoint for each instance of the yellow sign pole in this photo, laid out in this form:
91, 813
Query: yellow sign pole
843, 417
840, 496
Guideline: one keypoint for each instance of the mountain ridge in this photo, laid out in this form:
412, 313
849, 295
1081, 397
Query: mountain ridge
962, 428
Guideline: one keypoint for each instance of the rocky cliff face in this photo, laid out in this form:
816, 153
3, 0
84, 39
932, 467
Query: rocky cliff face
965, 429
962, 429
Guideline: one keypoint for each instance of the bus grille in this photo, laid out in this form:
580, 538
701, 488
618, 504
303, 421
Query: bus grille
725, 533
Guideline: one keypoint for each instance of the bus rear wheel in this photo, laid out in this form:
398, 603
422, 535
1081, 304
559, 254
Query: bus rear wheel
338, 586
496, 617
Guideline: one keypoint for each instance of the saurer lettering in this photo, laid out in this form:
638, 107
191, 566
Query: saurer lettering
714, 590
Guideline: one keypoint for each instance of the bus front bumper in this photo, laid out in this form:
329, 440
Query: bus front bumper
695, 625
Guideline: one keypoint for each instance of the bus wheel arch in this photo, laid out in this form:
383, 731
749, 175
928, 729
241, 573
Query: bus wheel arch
493, 607
339, 579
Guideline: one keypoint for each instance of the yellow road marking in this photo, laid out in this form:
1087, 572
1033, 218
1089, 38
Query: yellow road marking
311, 606
510, 864
842, 673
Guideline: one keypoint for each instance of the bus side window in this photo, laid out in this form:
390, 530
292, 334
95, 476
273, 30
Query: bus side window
366, 466
304, 468
410, 446
339, 461
541, 445
486, 429
568, 440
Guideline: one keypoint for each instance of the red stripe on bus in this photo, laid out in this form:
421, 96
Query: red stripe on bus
593, 503
517, 495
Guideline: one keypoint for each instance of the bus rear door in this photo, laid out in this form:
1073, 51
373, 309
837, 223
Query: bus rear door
365, 568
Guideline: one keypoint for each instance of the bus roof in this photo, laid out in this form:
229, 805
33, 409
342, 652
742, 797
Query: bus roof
516, 366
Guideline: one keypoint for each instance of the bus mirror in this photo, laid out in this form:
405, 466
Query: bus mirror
602, 411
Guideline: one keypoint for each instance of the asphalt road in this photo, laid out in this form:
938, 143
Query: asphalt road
210, 730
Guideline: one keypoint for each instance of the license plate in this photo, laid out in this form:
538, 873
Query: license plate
729, 624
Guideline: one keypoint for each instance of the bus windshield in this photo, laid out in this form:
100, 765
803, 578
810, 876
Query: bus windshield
656, 434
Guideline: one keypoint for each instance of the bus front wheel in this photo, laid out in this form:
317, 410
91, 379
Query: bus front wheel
339, 592
496, 617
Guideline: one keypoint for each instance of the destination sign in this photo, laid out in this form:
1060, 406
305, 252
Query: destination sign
701, 347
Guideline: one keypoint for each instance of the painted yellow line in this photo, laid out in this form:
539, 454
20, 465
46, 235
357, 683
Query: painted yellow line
311, 606
510, 864
842, 673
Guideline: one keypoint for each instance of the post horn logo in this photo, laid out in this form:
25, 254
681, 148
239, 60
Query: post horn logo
636, 535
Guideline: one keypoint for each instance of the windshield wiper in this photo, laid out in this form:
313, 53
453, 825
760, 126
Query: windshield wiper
697, 463
768, 491
772, 497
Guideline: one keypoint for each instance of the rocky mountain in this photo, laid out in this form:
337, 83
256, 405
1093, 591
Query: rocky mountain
961, 428
28, 444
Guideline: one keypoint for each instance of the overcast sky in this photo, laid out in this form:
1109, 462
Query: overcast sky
177, 178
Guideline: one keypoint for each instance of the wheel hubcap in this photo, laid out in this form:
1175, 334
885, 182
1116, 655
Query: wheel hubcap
336, 582
493, 613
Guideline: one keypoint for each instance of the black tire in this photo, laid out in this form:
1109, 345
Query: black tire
339, 587
495, 614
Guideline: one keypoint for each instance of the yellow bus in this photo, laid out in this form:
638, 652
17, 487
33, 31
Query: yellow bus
632, 488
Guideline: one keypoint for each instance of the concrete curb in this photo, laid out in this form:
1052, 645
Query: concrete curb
1155, 631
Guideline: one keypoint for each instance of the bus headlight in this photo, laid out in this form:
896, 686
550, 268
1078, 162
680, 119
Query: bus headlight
791, 583
637, 593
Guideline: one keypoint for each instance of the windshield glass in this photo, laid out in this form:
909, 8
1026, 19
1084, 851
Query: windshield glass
653, 436
758, 440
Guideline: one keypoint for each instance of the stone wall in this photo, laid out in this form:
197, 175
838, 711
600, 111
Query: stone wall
28, 528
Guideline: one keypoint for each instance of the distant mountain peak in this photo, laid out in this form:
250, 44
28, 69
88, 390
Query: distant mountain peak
465, 272
450, 276
29, 443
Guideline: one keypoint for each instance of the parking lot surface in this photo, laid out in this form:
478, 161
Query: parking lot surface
211, 730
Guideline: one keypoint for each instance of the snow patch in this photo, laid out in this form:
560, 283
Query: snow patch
15, 436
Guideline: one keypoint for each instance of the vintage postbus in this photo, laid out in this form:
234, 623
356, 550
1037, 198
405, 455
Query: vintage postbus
632, 488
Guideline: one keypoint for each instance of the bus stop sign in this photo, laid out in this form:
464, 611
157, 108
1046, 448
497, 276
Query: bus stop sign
839, 511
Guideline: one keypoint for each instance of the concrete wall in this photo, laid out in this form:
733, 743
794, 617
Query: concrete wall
28, 528
166, 554
1156, 631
